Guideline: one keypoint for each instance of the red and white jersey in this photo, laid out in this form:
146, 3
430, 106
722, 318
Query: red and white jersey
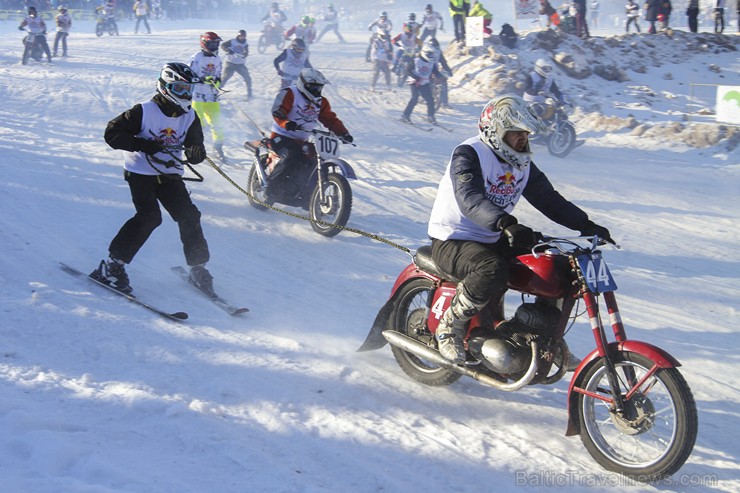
205, 65
170, 131
291, 105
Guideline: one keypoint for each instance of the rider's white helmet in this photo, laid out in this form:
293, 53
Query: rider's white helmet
504, 114
310, 83
542, 67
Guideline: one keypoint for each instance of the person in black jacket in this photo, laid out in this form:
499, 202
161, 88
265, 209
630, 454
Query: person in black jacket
474, 234
153, 136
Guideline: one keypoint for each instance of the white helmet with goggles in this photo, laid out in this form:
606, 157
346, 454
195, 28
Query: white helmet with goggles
508, 114
176, 82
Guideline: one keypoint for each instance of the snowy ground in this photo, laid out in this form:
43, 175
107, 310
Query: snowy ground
99, 395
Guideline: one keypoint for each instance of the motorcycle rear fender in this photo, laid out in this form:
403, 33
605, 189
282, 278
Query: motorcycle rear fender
344, 167
375, 339
653, 353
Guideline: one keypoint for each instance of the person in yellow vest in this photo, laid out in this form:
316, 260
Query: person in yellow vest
141, 11
459, 11
478, 10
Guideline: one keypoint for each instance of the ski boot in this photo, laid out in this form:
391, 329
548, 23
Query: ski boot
202, 279
113, 273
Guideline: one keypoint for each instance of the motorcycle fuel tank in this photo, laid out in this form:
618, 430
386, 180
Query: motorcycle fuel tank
544, 275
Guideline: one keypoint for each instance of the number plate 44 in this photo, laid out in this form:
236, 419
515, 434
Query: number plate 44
597, 275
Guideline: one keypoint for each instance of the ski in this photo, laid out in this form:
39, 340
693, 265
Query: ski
443, 127
426, 129
217, 300
176, 316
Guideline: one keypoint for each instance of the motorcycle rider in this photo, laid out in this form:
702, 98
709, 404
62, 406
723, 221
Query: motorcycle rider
237, 51
64, 24
108, 12
144, 132
291, 61
296, 109
37, 32
539, 86
275, 16
206, 64
304, 30
474, 235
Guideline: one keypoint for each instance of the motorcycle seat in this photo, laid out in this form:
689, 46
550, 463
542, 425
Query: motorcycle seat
423, 260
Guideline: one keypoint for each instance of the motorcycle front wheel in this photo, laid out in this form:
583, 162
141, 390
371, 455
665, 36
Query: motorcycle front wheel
99, 30
256, 197
335, 209
655, 433
262, 44
562, 140
409, 318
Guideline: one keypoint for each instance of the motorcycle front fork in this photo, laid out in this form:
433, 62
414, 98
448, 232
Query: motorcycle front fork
597, 327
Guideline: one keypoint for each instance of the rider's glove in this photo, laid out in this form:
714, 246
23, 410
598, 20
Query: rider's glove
21, 28
520, 236
147, 146
281, 73
196, 153
593, 229
291, 126
505, 221
346, 138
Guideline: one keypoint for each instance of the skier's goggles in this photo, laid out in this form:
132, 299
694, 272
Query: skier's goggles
181, 89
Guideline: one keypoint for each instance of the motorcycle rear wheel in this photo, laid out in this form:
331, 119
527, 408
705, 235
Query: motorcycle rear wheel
409, 318
562, 141
655, 435
257, 196
336, 207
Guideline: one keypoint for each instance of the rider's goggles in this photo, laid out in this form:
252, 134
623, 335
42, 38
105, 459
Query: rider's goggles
314, 89
182, 90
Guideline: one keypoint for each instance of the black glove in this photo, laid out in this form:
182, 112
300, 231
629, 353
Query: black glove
21, 28
291, 126
505, 221
196, 153
346, 138
593, 229
147, 146
520, 237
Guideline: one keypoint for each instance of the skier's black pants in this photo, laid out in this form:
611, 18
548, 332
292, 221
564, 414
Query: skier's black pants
458, 20
61, 36
381, 67
147, 192
428, 32
483, 267
426, 92
331, 27
239, 68
140, 18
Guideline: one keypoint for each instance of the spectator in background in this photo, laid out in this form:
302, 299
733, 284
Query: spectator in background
64, 24
633, 15
549, 11
719, 16
665, 10
459, 11
693, 13
652, 9
508, 36
581, 25
478, 10
594, 12
141, 11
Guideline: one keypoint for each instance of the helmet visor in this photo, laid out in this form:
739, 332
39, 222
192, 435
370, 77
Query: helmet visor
183, 90
313, 88
212, 45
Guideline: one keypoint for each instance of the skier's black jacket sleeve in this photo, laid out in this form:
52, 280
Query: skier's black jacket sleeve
471, 197
121, 131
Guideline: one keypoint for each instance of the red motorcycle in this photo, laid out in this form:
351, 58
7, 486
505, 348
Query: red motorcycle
632, 408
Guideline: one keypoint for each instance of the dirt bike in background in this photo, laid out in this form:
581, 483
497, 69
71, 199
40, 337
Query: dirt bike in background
633, 410
104, 23
272, 34
560, 136
326, 194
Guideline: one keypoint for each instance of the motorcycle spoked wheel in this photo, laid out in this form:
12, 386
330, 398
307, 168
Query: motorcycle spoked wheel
336, 207
99, 29
112, 31
409, 318
655, 435
437, 96
280, 43
562, 141
262, 44
255, 189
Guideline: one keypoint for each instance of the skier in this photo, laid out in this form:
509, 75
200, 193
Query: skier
237, 51
381, 25
474, 235
151, 134
293, 59
444, 70
432, 19
424, 67
331, 17
206, 65
381, 53
64, 24
36, 35
141, 11
297, 108
303, 30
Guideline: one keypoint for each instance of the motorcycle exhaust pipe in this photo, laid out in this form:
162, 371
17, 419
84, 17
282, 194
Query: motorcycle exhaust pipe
415, 347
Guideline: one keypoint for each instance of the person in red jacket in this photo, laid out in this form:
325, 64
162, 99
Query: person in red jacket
297, 109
